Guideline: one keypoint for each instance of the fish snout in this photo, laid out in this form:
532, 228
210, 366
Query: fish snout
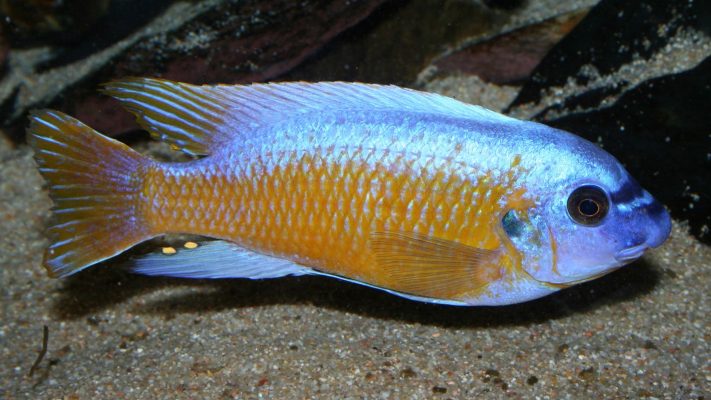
659, 224
652, 226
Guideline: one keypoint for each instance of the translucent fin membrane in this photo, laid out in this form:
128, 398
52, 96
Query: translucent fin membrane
177, 113
427, 266
201, 119
217, 259
94, 182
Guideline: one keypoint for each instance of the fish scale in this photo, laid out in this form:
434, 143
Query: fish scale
309, 192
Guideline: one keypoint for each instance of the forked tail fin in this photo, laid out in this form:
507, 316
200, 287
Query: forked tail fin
95, 183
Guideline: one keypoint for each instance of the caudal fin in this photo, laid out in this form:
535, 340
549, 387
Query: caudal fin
95, 183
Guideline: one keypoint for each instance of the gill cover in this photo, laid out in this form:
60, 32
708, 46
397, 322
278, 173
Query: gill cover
531, 236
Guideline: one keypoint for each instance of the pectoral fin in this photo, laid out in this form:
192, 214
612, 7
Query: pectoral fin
432, 267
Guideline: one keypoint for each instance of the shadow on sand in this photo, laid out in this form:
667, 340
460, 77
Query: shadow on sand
99, 288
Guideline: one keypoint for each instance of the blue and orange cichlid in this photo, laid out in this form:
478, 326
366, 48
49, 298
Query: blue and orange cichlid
413, 193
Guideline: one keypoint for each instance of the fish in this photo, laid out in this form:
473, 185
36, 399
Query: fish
413, 193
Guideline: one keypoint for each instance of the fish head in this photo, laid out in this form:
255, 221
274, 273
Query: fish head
587, 224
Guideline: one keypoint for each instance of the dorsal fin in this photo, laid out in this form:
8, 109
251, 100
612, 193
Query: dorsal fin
182, 115
200, 119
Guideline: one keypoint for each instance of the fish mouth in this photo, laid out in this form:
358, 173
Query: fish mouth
622, 257
631, 253
577, 281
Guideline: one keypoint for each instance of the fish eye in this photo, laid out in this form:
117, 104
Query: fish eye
588, 205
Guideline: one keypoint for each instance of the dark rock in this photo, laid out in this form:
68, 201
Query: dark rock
120, 20
211, 41
511, 57
587, 374
665, 140
399, 41
630, 76
504, 4
229, 44
4, 48
439, 390
614, 33
649, 345
408, 372
41, 21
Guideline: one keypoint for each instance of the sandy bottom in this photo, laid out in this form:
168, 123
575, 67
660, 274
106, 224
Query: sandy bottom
640, 332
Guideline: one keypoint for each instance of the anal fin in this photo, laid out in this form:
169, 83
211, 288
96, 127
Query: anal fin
214, 260
220, 259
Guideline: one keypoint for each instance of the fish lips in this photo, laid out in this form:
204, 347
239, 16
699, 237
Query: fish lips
631, 253
658, 222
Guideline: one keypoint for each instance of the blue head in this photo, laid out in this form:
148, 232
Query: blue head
591, 215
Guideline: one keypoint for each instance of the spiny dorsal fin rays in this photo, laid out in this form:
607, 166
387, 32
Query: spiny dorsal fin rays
174, 112
432, 267
200, 119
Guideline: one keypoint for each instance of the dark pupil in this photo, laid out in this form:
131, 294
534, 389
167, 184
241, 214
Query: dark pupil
588, 207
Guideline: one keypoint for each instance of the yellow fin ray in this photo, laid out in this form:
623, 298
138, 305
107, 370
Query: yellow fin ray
95, 184
433, 267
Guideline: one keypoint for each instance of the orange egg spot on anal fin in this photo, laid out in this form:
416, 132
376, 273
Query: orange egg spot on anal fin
433, 267
168, 250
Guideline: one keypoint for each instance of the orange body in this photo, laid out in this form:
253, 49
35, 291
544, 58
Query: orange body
324, 214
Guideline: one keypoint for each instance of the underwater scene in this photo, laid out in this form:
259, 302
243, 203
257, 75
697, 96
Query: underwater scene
368, 199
